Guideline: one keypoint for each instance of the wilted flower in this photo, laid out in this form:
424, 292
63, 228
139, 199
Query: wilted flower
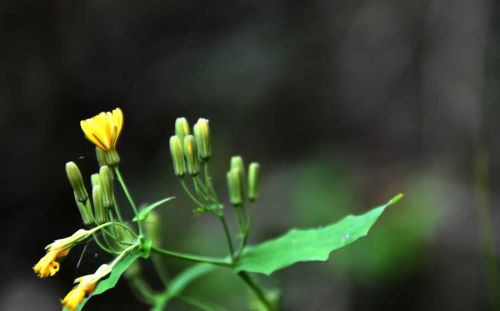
48, 264
86, 285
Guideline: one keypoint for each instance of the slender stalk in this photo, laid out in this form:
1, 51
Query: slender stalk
256, 289
129, 197
203, 190
188, 192
228, 236
194, 258
141, 289
117, 209
208, 181
196, 303
160, 269
104, 248
123, 253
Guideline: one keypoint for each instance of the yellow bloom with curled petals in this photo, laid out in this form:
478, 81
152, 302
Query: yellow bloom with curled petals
86, 285
49, 265
104, 129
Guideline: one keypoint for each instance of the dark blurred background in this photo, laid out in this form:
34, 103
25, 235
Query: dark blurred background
345, 103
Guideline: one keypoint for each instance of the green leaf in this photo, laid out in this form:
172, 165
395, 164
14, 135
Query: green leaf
113, 278
310, 244
143, 213
180, 282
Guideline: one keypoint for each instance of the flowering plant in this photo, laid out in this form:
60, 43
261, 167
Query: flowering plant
138, 238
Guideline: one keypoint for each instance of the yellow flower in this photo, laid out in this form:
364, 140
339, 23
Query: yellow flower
104, 129
49, 265
86, 285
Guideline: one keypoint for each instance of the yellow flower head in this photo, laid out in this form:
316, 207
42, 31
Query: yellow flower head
86, 285
49, 265
104, 129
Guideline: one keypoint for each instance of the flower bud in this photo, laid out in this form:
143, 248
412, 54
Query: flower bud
152, 226
109, 158
202, 135
95, 179
237, 163
85, 209
191, 154
177, 156
99, 210
182, 128
123, 234
253, 181
76, 181
106, 181
234, 186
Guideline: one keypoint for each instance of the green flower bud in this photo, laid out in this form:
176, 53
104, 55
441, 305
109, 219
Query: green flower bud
76, 181
237, 163
152, 226
109, 158
253, 181
85, 209
95, 180
234, 186
202, 135
123, 234
182, 128
177, 156
106, 181
191, 154
99, 209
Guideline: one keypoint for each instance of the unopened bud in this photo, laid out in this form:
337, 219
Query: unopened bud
234, 186
191, 153
153, 228
109, 158
85, 209
123, 234
182, 128
95, 179
253, 181
177, 156
99, 209
76, 181
106, 178
202, 135
237, 163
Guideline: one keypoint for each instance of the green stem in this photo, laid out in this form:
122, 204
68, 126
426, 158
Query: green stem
104, 248
256, 289
203, 189
141, 289
228, 236
123, 253
196, 303
117, 209
208, 181
160, 269
129, 197
194, 258
188, 192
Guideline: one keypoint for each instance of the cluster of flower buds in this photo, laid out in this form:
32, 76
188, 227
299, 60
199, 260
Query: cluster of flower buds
103, 198
237, 183
80, 192
189, 151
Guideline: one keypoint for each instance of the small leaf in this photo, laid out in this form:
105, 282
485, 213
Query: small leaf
308, 245
180, 282
143, 213
113, 278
